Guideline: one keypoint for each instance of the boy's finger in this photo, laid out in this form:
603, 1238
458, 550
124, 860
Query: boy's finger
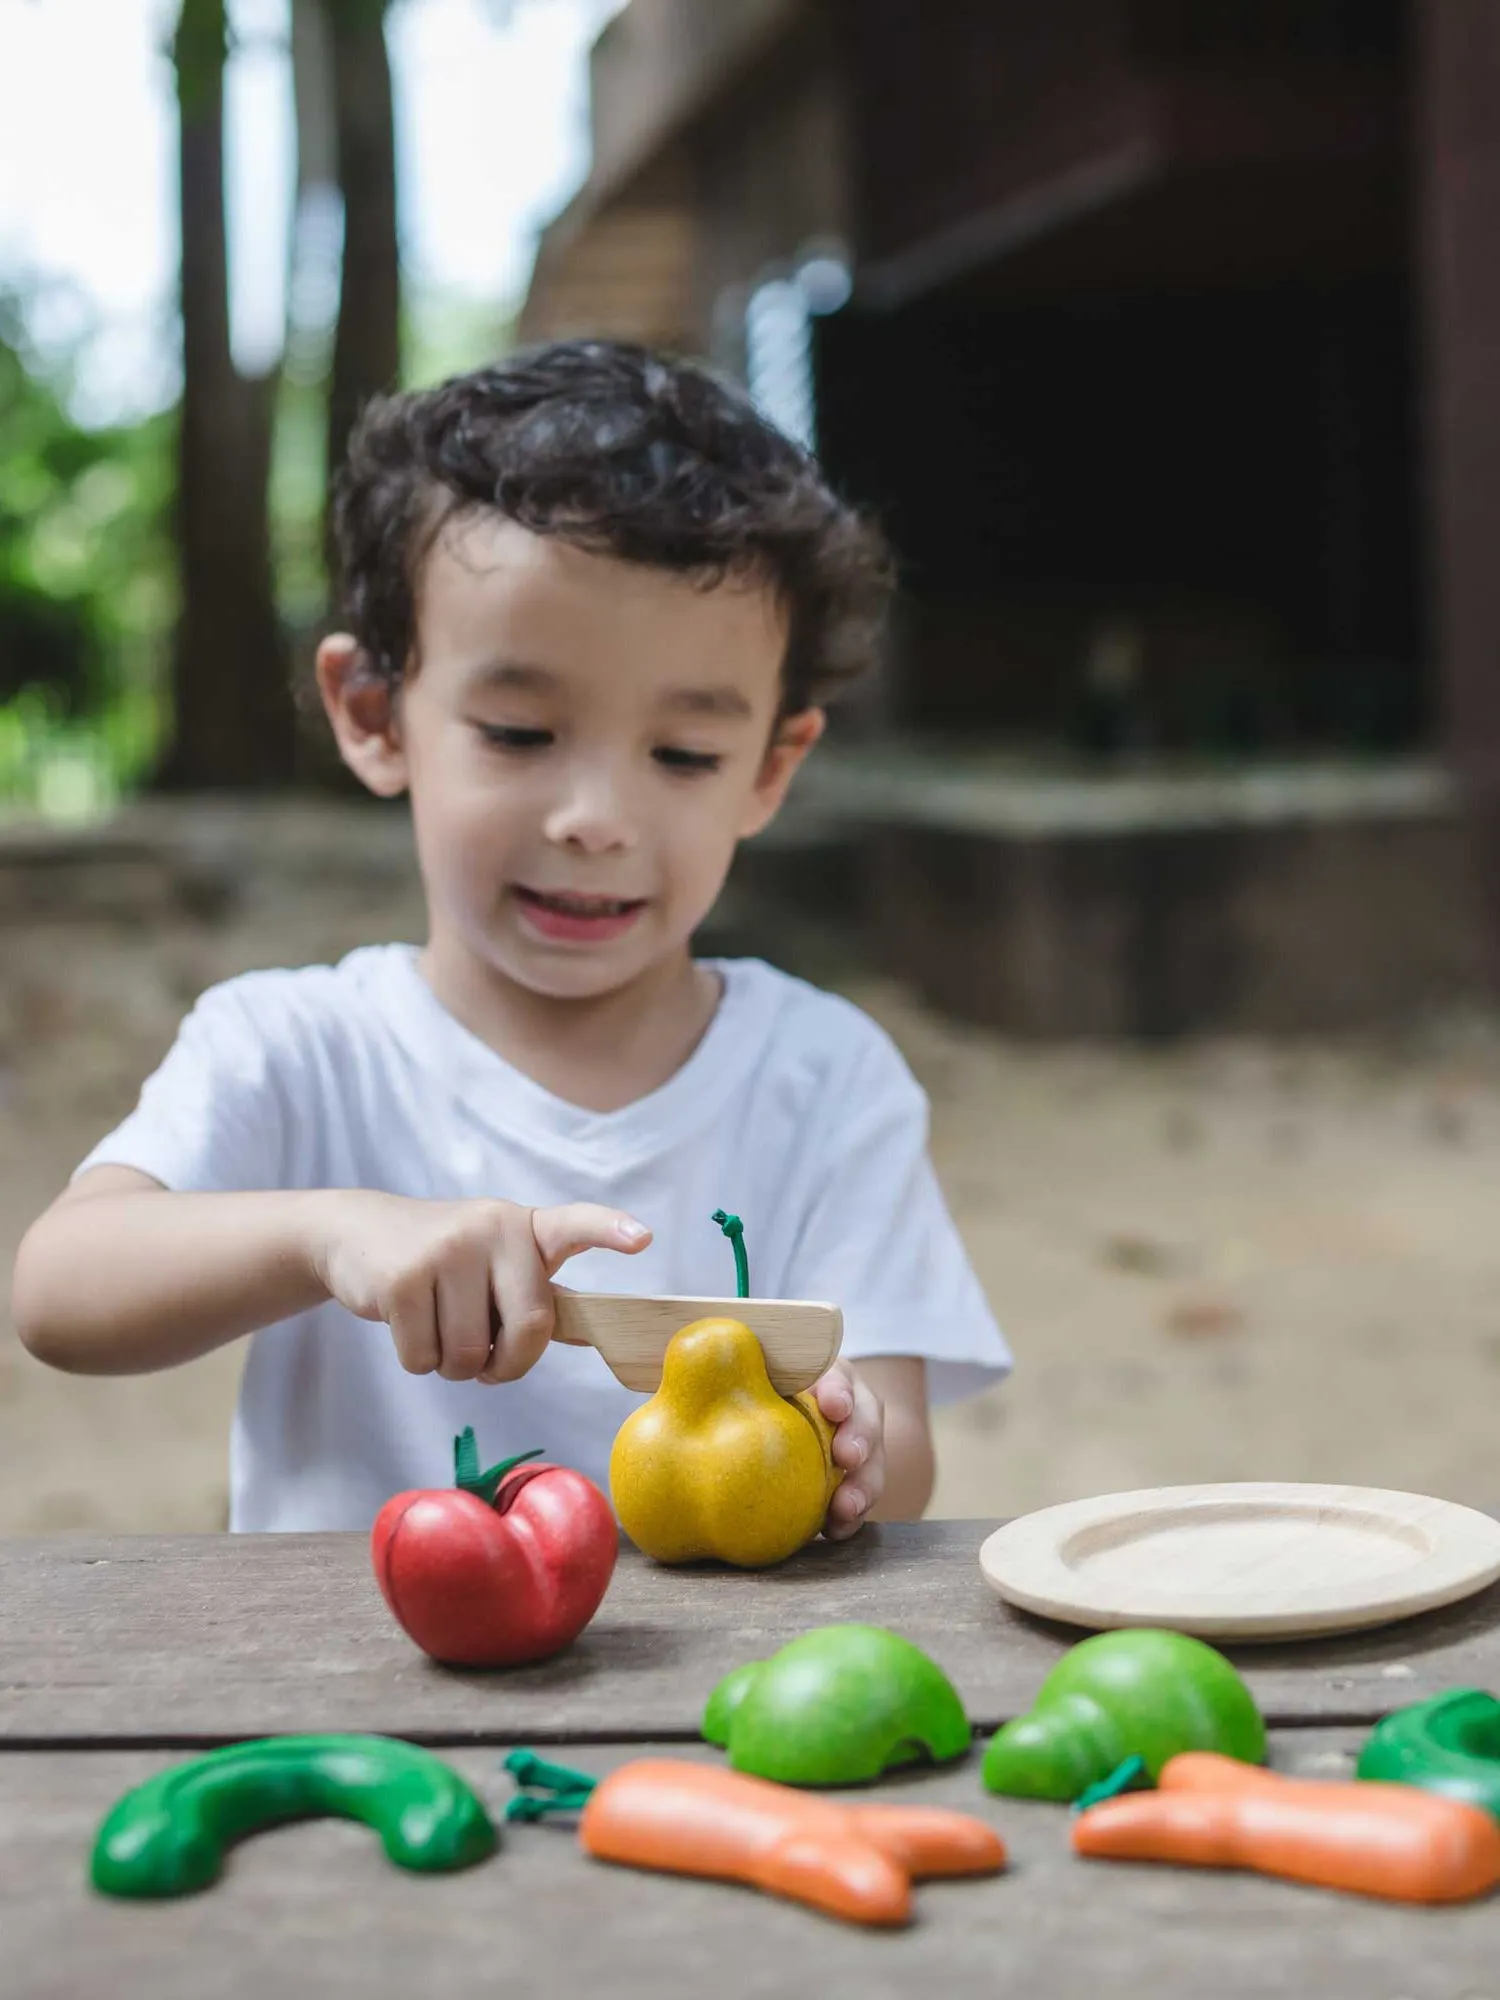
563, 1232
523, 1301
465, 1328
867, 1424
850, 1448
859, 1449
414, 1329
846, 1514
869, 1412
835, 1394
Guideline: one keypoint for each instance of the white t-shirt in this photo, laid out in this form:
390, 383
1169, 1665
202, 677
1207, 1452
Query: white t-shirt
795, 1112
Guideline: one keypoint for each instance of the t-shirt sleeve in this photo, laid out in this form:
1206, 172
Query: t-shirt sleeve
212, 1118
877, 1238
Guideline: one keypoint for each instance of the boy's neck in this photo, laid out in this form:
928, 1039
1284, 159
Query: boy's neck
601, 1053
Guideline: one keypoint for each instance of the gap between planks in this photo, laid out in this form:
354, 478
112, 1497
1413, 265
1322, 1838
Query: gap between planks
485, 1739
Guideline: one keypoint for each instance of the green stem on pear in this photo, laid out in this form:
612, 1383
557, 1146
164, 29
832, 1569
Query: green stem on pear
734, 1229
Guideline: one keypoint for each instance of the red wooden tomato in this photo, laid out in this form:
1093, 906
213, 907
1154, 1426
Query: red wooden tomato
500, 1568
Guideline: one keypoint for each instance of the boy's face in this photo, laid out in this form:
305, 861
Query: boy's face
585, 741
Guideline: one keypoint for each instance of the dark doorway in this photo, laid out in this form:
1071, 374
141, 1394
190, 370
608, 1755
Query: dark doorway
1165, 519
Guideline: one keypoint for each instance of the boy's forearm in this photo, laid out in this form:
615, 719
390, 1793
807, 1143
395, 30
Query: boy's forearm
120, 1284
909, 1470
910, 1465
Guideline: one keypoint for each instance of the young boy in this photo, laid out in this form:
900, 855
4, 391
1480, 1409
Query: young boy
593, 605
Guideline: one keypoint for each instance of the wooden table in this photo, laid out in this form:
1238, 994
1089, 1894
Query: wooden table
119, 1655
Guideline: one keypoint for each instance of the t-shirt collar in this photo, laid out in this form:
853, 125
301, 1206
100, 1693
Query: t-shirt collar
496, 1094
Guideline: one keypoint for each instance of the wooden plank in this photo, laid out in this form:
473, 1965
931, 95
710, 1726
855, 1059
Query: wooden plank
988, 129
200, 1638
316, 1908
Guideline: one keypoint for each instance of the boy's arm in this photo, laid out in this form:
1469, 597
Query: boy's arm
910, 1467
119, 1277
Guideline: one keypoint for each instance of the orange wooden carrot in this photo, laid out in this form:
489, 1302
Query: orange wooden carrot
855, 1862
1374, 1839
1203, 1771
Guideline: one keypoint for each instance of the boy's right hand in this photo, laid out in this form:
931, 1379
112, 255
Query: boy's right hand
464, 1286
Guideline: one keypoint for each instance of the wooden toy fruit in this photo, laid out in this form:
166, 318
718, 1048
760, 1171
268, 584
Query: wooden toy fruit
502, 1567
167, 1837
837, 1707
716, 1464
857, 1862
1146, 1694
1391, 1841
1449, 1745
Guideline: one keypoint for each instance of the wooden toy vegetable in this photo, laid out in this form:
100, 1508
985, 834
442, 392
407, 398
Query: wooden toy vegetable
716, 1464
837, 1707
1382, 1840
168, 1836
502, 1567
1134, 1693
1449, 1745
855, 1862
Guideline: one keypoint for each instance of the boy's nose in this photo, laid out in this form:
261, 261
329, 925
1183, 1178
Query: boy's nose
593, 818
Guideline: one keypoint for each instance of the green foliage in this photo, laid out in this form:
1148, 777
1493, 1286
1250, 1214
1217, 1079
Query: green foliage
296, 501
200, 48
86, 593
87, 571
445, 332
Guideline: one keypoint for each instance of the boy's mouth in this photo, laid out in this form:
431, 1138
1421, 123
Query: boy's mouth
573, 919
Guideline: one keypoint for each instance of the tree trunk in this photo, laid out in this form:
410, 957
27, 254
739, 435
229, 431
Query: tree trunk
1460, 183
234, 724
367, 343
312, 92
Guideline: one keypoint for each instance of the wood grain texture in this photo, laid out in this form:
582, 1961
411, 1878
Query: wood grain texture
1245, 1560
205, 1637
315, 1908
799, 1338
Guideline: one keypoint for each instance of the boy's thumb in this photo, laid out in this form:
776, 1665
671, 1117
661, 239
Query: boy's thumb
561, 1233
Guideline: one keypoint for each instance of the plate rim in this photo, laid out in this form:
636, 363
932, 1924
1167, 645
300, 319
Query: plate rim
1038, 1582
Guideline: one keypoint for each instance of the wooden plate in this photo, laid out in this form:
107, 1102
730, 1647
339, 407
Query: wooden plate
1252, 1561
799, 1337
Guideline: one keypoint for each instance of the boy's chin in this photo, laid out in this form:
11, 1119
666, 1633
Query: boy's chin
570, 975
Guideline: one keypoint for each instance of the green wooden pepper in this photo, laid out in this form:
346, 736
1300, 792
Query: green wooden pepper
1143, 1694
1450, 1744
837, 1707
168, 1836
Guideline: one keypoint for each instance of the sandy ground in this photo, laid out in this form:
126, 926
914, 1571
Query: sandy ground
1227, 1261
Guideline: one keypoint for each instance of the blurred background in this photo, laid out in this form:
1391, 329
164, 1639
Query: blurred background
1165, 337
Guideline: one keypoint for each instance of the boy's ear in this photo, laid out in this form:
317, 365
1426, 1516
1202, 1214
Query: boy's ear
795, 736
362, 715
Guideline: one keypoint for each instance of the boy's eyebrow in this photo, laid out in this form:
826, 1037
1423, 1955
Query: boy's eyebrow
519, 677
722, 700
514, 674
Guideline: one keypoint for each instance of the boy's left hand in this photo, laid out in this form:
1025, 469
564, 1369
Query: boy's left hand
858, 1447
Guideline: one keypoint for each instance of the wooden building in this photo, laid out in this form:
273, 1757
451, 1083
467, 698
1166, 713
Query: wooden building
1171, 356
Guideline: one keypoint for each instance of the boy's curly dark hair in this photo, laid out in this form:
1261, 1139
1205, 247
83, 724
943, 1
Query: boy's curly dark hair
619, 451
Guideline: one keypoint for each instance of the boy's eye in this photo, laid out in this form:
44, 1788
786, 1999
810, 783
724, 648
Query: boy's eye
687, 760
506, 738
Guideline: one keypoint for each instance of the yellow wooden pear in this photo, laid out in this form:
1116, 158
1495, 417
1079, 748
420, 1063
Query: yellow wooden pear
717, 1464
